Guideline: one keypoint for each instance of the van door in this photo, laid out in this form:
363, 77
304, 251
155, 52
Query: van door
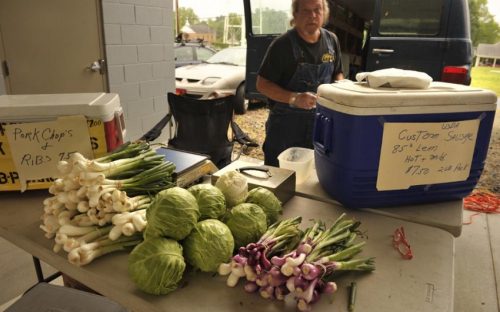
264, 21
408, 34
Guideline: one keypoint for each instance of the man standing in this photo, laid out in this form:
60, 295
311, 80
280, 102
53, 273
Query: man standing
295, 64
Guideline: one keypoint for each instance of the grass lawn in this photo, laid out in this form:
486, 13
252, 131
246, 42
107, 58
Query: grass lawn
487, 78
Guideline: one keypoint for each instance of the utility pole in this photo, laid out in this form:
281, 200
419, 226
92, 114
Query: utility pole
177, 17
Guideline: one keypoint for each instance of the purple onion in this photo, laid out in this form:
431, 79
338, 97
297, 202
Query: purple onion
240, 259
303, 306
280, 292
330, 288
251, 287
309, 291
278, 261
310, 271
267, 292
265, 262
304, 248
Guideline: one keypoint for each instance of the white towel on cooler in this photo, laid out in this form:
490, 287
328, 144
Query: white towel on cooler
395, 78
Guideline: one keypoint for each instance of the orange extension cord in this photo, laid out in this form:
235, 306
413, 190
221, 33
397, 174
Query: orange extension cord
482, 202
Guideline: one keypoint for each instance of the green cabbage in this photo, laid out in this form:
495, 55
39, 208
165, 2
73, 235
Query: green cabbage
247, 223
209, 244
234, 186
211, 201
156, 265
267, 201
173, 213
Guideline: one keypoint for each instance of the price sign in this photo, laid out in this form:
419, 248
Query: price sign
37, 147
426, 153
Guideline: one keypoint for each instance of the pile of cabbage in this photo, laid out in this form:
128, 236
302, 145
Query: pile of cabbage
200, 228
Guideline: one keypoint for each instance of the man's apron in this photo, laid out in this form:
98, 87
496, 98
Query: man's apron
288, 126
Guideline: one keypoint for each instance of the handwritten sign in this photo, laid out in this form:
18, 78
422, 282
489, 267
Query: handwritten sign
426, 153
37, 147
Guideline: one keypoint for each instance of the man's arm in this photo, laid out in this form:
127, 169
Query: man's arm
339, 76
305, 100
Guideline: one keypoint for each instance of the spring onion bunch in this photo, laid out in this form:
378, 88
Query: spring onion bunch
305, 271
103, 199
253, 260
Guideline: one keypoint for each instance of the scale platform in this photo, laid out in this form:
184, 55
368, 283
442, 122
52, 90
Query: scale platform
189, 167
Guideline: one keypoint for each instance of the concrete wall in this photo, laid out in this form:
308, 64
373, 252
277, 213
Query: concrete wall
139, 38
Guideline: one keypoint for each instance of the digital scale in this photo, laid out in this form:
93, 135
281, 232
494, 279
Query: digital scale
189, 167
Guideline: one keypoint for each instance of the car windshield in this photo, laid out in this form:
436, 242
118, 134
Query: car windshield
231, 56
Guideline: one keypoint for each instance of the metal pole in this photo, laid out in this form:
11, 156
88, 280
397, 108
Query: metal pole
177, 17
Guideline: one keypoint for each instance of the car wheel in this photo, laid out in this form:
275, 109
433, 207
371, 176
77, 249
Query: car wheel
240, 104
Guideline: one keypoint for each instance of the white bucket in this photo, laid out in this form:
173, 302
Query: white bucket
298, 159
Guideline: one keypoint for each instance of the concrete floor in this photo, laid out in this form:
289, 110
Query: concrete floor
477, 260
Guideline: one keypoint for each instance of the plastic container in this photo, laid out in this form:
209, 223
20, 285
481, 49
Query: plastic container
348, 137
298, 159
104, 119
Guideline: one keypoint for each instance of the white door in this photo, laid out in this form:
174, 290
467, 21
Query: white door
53, 46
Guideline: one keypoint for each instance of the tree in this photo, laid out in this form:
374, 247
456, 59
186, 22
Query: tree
217, 24
484, 28
234, 33
187, 14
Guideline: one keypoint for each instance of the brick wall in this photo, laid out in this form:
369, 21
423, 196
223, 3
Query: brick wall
139, 40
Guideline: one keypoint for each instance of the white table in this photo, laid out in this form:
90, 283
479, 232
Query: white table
444, 215
424, 283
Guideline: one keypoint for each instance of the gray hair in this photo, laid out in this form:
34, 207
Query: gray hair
295, 9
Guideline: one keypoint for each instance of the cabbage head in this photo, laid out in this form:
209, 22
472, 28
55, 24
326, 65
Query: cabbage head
247, 222
173, 213
267, 201
209, 244
211, 201
156, 265
234, 186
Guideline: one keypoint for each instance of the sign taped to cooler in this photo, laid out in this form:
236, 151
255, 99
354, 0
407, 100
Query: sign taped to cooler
425, 153
104, 130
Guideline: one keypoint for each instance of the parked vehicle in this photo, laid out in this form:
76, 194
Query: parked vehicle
431, 36
223, 73
187, 53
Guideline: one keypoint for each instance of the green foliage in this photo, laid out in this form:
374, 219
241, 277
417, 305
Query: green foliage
234, 33
486, 78
484, 28
187, 14
217, 24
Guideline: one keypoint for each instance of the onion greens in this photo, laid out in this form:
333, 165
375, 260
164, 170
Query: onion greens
286, 261
101, 203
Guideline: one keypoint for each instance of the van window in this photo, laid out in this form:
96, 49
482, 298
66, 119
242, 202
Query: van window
410, 17
270, 17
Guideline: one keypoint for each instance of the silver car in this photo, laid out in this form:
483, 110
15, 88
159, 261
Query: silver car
220, 75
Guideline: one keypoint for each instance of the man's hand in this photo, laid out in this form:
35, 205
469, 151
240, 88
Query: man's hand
304, 100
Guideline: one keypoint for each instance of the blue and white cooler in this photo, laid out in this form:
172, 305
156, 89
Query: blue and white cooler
379, 147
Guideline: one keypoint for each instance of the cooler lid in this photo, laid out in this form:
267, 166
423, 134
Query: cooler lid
40, 106
439, 97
